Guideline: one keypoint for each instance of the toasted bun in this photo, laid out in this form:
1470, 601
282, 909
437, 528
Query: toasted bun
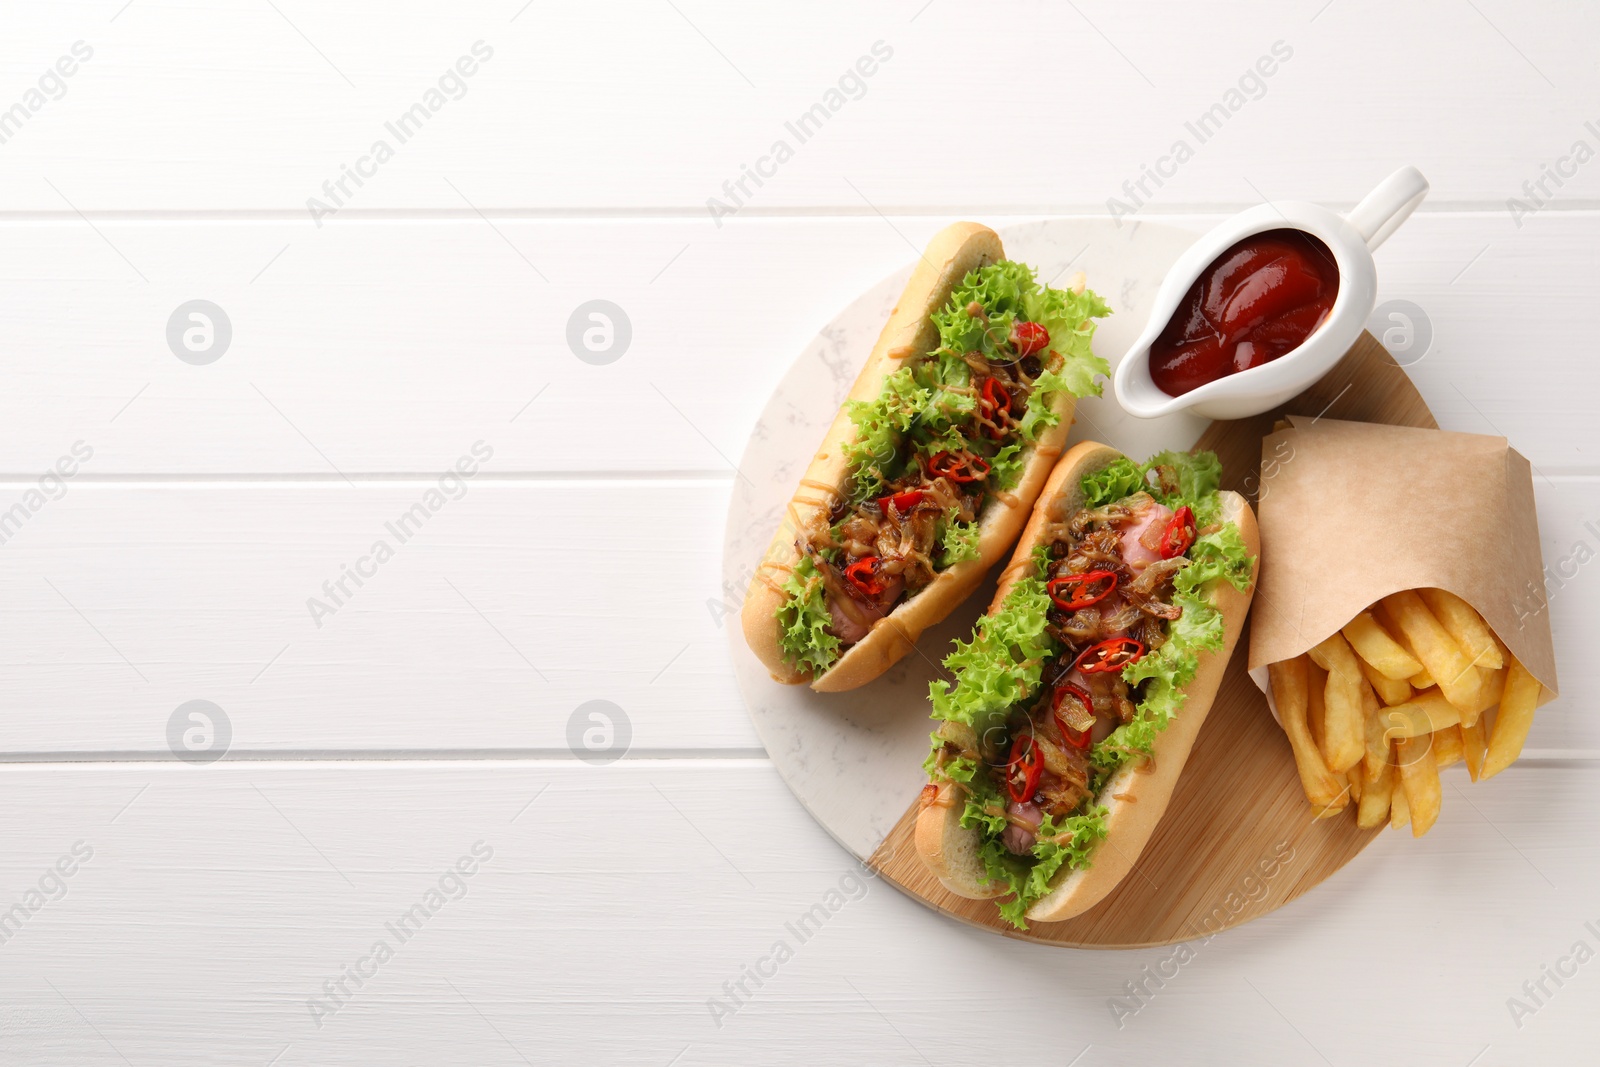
953, 252
1135, 799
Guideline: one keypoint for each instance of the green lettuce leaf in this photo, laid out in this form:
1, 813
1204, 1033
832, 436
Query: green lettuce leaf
1068, 842
1219, 554
1198, 474
1120, 478
803, 621
958, 542
1069, 319
1003, 662
998, 288
881, 424
1005, 467
945, 410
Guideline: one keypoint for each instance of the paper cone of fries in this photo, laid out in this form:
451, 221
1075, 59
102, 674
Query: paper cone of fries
1352, 512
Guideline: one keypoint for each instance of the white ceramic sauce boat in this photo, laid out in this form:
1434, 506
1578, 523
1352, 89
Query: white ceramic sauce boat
1352, 240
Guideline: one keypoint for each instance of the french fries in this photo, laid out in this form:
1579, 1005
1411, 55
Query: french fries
1447, 746
1474, 746
1422, 715
1291, 692
1405, 689
1512, 721
1465, 626
1441, 657
1419, 777
1383, 652
1316, 708
1374, 809
1342, 743
1392, 690
1399, 811
1376, 757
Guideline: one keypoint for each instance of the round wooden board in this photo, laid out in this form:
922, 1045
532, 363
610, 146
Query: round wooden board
1238, 839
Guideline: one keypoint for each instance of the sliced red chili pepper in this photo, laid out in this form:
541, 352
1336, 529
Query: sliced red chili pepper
1112, 654
1179, 534
959, 467
995, 404
1073, 591
863, 574
1029, 337
1024, 764
903, 502
1071, 691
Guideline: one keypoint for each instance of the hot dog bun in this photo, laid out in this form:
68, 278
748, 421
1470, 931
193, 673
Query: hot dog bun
1134, 798
953, 252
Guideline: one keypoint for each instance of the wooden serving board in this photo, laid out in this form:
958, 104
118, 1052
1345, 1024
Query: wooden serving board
1238, 839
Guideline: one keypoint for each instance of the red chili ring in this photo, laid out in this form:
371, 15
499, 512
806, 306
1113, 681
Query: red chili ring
1078, 583
1112, 654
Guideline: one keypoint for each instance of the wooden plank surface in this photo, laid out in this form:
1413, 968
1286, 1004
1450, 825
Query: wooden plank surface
390, 347
634, 108
618, 904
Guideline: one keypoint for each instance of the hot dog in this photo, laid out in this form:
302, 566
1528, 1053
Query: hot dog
930, 467
1076, 702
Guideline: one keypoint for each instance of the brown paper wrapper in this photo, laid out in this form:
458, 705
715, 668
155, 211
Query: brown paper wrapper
1352, 511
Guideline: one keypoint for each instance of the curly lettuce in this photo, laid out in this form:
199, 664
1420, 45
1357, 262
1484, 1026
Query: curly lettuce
803, 620
1009, 293
1003, 662
957, 543
881, 423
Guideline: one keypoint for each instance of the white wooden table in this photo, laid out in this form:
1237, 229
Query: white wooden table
228, 912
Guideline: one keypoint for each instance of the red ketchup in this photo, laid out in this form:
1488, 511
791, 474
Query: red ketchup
1260, 299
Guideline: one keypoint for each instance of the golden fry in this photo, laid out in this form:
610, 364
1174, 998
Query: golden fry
1353, 776
1291, 693
1419, 778
1316, 707
1342, 743
1465, 625
1374, 731
1473, 747
1399, 810
1375, 797
1448, 747
1443, 659
1491, 684
1391, 691
1378, 649
1421, 715
1422, 679
1512, 721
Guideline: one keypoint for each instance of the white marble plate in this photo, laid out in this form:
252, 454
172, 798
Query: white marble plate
855, 759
